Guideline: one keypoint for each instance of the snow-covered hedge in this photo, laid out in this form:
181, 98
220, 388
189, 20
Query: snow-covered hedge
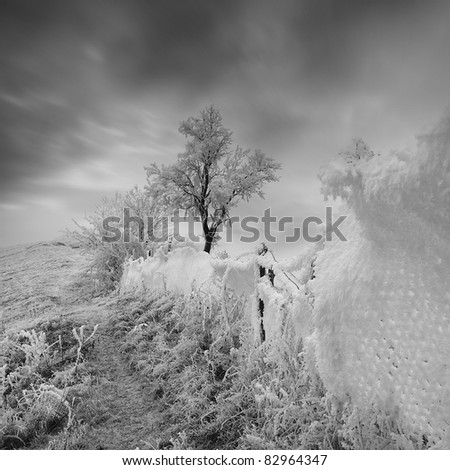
381, 317
375, 316
182, 270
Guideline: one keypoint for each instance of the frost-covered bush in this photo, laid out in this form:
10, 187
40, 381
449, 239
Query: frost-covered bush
381, 316
182, 270
107, 258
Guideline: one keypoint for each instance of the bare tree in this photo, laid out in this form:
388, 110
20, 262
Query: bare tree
209, 177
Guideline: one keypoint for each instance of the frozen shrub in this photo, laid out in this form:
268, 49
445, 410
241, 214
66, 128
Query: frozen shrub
381, 310
107, 257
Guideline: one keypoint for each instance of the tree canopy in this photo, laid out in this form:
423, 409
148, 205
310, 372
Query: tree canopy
210, 177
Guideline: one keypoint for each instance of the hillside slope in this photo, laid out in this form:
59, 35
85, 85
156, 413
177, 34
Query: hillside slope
46, 281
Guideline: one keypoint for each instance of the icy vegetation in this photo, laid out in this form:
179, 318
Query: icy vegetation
381, 316
182, 270
372, 313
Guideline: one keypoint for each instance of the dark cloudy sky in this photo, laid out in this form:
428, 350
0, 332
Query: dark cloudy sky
91, 91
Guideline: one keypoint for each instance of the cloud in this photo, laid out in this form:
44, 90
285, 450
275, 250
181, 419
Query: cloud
91, 91
67, 62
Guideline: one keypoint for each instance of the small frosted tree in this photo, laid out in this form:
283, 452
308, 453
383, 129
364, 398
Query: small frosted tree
210, 177
357, 151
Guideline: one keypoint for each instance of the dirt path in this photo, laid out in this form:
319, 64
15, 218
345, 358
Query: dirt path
39, 282
129, 409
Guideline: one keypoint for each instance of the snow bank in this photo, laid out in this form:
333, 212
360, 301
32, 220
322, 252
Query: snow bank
381, 317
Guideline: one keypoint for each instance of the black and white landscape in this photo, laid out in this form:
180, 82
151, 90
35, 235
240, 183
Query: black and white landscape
224, 225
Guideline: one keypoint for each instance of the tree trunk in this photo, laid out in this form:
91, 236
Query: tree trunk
208, 233
208, 243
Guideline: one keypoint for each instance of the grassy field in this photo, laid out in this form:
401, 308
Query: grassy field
38, 281
44, 287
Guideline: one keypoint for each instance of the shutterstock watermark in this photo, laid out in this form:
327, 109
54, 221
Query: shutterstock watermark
250, 229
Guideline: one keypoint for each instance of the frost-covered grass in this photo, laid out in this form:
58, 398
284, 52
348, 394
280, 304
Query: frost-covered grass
44, 284
44, 375
214, 387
